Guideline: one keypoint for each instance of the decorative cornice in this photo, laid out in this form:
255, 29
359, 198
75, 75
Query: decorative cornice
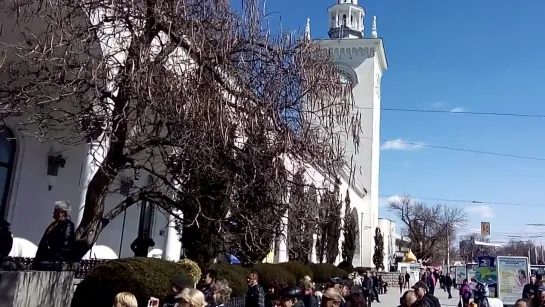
363, 47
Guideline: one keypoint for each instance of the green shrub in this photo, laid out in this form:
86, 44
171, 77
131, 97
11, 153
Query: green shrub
322, 272
346, 266
297, 269
273, 275
235, 275
192, 268
143, 277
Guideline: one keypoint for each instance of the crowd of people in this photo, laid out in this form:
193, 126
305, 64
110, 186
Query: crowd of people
361, 290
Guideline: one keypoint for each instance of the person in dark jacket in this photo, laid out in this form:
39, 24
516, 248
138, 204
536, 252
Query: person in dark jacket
6, 240
209, 279
255, 296
308, 298
422, 294
447, 281
529, 289
376, 286
58, 238
367, 288
141, 245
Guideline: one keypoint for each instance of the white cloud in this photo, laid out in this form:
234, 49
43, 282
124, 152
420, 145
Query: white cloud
458, 110
400, 144
438, 105
483, 211
385, 201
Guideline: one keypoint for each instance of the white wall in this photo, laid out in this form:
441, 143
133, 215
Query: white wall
31, 203
388, 229
366, 61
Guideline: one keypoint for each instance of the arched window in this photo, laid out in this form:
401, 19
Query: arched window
7, 159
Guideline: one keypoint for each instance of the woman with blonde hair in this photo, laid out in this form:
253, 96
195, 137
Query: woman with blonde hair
221, 293
125, 299
191, 298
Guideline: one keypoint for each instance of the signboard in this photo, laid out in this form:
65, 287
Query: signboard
485, 229
471, 270
460, 274
486, 273
512, 276
538, 270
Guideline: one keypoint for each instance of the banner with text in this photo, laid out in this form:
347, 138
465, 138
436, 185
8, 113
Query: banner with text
512, 276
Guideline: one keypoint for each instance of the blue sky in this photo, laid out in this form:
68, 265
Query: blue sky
480, 56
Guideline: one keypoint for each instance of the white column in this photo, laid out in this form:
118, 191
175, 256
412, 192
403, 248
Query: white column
94, 155
281, 254
173, 245
313, 256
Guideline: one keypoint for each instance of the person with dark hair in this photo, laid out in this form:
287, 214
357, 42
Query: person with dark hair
422, 294
291, 297
255, 296
529, 288
447, 283
465, 293
209, 279
356, 300
407, 299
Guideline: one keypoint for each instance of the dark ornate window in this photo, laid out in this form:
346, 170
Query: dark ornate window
7, 163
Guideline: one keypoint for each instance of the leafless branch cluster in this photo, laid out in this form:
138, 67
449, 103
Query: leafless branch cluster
429, 227
199, 96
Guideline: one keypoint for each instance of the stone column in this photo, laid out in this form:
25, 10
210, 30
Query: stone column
173, 246
94, 155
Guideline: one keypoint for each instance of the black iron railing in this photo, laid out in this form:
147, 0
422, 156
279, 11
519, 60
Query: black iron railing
23, 264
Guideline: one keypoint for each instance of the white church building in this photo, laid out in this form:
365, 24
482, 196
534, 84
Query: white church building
34, 174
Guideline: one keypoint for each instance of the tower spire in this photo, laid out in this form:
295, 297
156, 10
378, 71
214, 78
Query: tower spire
374, 33
307, 30
346, 20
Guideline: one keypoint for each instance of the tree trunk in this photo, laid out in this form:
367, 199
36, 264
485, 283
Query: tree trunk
92, 224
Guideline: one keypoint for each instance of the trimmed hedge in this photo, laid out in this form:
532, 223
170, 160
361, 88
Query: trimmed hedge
192, 268
273, 275
298, 269
235, 275
143, 277
323, 272
346, 266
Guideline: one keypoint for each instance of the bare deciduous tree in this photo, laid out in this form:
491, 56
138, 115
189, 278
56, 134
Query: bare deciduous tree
428, 226
201, 97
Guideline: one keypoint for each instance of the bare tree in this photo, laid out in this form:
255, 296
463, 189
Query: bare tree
427, 226
469, 250
186, 91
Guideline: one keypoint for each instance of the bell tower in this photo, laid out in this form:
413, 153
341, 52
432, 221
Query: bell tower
361, 60
346, 20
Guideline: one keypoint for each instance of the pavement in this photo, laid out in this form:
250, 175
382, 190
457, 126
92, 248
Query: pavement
391, 299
